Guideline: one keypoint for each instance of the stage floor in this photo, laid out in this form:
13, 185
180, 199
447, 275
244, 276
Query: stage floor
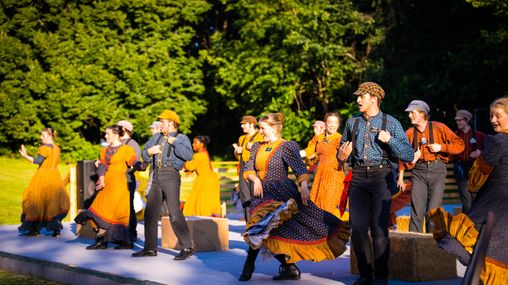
65, 259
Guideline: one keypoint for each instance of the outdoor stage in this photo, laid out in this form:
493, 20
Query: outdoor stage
65, 260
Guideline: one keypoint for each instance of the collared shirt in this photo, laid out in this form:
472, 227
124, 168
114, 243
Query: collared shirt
450, 143
368, 150
468, 144
244, 140
181, 151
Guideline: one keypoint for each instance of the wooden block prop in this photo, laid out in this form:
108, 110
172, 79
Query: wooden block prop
208, 233
416, 257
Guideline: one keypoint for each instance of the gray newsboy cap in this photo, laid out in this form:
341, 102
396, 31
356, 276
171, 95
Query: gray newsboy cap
418, 104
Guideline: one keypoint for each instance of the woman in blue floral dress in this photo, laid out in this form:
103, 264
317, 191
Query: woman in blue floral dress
283, 219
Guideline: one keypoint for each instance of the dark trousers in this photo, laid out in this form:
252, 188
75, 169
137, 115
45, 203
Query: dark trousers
165, 189
369, 207
245, 194
133, 222
461, 173
427, 192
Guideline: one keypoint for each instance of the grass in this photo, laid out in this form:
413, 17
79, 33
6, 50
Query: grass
15, 175
9, 278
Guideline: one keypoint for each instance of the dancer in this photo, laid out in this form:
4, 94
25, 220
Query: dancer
110, 210
167, 152
45, 201
310, 151
458, 234
329, 179
127, 139
462, 162
249, 126
283, 220
204, 198
375, 141
433, 143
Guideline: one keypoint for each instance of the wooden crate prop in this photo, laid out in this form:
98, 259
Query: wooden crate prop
208, 233
416, 257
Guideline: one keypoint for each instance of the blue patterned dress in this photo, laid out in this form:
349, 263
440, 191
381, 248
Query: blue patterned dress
279, 220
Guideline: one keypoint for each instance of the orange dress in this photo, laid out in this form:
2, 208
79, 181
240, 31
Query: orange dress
204, 198
110, 209
329, 179
45, 201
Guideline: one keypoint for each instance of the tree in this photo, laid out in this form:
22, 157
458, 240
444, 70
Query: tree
80, 66
301, 58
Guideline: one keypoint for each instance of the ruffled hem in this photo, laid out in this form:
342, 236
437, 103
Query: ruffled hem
114, 232
272, 214
329, 248
54, 225
459, 227
495, 272
267, 217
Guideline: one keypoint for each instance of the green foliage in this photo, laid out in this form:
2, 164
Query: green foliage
9, 278
450, 54
79, 67
296, 57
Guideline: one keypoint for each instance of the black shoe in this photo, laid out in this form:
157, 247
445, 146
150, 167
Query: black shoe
246, 276
363, 281
144, 253
184, 253
99, 244
125, 245
380, 281
288, 272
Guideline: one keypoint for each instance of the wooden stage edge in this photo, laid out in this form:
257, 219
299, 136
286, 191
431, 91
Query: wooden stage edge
62, 273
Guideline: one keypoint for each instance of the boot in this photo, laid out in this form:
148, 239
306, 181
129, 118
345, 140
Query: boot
249, 266
288, 272
99, 244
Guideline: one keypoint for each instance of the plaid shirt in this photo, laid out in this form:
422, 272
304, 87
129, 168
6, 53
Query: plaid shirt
368, 150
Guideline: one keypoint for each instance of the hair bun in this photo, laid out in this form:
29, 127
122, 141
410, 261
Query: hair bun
279, 117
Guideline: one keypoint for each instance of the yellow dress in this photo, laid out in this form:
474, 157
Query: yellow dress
204, 198
329, 179
110, 209
45, 201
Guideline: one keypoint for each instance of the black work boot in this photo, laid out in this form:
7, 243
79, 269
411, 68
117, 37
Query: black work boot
288, 271
249, 266
99, 244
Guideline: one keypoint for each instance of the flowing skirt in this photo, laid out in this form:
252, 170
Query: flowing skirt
282, 224
45, 202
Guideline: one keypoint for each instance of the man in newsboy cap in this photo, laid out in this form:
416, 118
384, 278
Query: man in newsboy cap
131, 183
249, 126
167, 152
373, 142
433, 143
462, 162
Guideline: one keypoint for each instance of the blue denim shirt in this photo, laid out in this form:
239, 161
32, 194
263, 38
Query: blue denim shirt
181, 151
368, 150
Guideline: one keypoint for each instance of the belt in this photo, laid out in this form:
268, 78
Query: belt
371, 167
428, 161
